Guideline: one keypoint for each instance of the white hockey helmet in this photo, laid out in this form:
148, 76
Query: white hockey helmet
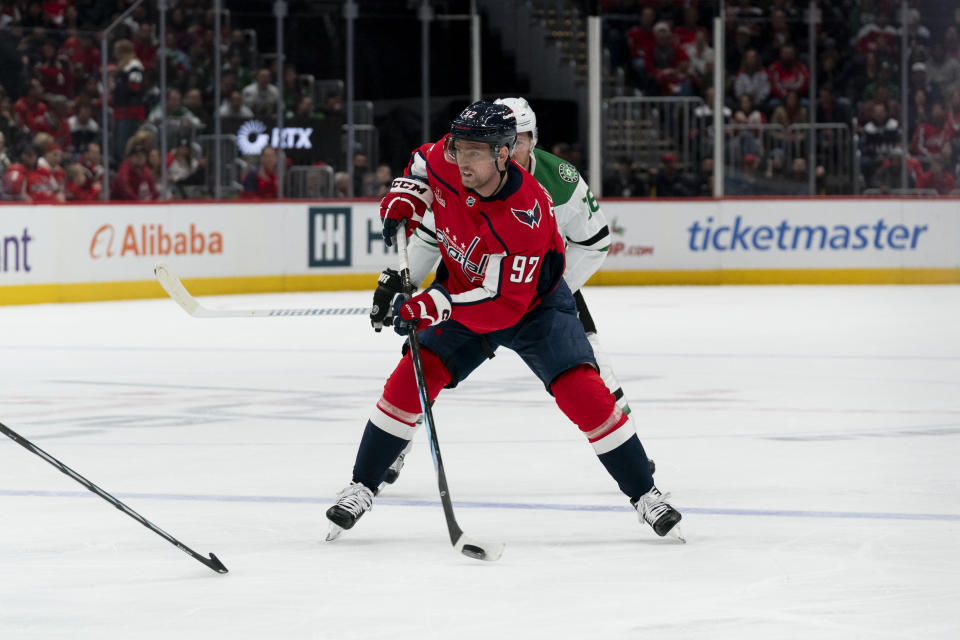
526, 118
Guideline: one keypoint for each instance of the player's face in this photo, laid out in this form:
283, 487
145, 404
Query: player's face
478, 169
521, 151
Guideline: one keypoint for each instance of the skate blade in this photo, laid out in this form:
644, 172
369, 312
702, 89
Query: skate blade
334, 533
677, 534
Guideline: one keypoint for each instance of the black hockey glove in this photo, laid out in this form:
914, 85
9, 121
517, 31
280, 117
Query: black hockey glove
388, 286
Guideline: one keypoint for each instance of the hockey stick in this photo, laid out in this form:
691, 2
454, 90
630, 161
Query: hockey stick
213, 562
461, 542
175, 289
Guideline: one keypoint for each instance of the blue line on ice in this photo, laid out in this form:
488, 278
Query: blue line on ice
467, 504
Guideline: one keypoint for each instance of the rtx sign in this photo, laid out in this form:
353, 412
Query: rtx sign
252, 137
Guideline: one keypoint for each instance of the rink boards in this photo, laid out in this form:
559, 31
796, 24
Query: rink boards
62, 253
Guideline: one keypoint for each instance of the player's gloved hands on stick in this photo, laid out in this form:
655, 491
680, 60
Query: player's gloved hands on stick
423, 310
388, 286
407, 200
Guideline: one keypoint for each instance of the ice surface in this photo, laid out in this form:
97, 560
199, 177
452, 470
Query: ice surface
810, 436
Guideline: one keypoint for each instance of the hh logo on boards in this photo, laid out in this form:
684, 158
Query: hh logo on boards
329, 237
13, 252
153, 240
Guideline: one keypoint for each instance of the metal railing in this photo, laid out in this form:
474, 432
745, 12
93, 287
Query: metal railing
644, 128
310, 182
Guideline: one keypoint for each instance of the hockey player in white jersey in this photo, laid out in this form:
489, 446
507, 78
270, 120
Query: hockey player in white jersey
581, 222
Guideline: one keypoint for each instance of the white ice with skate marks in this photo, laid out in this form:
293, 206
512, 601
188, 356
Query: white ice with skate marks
809, 436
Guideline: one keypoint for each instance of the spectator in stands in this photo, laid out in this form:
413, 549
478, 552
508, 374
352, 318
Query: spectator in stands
936, 177
129, 110
879, 37
789, 113
261, 96
951, 42
54, 71
889, 175
384, 176
687, 32
175, 110
748, 114
29, 107
8, 121
788, 74
154, 163
752, 79
5, 161
953, 115
92, 164
193, 102
880, 135
670, 183
145, 45
184, 168
15, 178
742, 42
931, 133
233, 107
776, 35
624, 182
951, 162
78, 49
828, 109
83, 128
55, 121
669, 64
292, 89
640, 41
134, 180
261, 182
700, 54
47, 183
78, 188
942, 70
341, 184
919, 80
884, 80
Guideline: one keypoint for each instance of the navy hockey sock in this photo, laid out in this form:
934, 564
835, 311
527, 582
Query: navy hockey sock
629, 466
378, 449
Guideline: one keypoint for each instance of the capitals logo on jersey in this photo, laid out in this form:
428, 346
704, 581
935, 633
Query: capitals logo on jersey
529, 217
472, 261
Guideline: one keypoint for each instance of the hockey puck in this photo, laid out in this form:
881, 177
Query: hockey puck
475, 552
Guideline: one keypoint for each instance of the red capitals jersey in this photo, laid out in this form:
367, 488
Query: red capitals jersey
500, 255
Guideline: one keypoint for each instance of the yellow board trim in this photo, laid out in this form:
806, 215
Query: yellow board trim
97, 291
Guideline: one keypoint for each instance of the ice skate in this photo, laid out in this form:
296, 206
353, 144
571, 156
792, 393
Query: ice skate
393, 471
352, 502
653, 508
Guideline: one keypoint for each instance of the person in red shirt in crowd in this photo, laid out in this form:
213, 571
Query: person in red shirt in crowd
931, 133
640, 40
29, 107
134, 180
145, 46
55, 122
48, 182
879, 36
261, 184
15, 177
80, 52
669, 64
936, 177
687, 32
54, 71
79, 189
89, 160
787, 74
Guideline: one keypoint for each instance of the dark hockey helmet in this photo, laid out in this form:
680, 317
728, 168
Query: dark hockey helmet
487, 122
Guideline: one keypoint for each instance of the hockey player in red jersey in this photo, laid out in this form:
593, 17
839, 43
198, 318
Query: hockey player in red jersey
499, 283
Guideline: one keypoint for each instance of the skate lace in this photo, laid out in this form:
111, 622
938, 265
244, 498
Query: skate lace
656, 507
356, 499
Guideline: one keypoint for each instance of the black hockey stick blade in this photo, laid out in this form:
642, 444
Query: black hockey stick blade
213, 561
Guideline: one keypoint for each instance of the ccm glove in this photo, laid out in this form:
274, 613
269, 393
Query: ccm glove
407, 201
388, 286
423, 310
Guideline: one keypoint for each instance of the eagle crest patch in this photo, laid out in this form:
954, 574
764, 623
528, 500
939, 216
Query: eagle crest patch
530, 217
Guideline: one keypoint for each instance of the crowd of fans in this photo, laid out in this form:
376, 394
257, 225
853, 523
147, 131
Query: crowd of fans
51, 97
51, 104
665, 48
